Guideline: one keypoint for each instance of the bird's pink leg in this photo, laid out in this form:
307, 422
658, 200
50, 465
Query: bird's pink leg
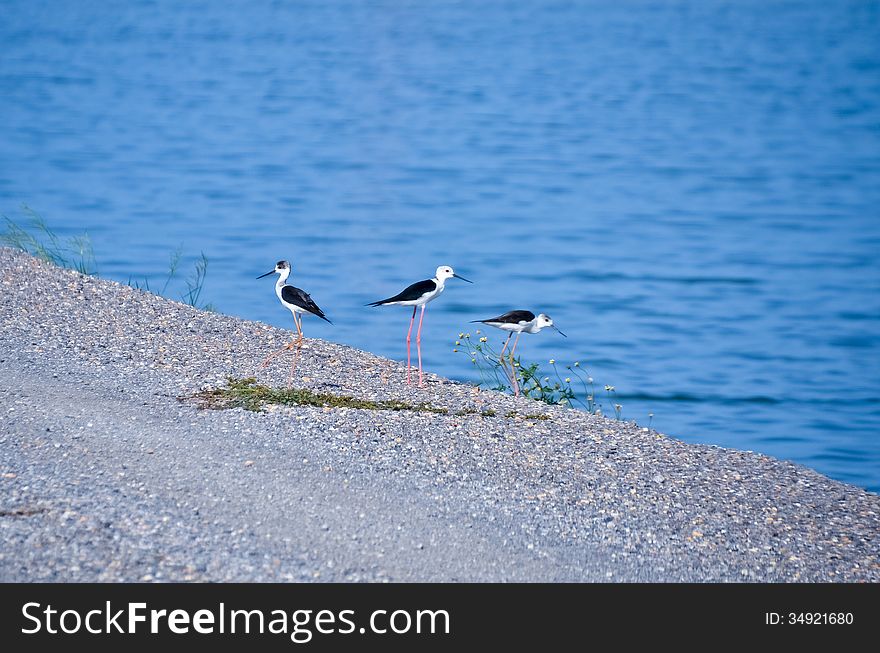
293, 343
503, 361
515, 343
506, 342
299, 327
513, 367
285, 348
298, 321
293, 368
419, 343
408, 337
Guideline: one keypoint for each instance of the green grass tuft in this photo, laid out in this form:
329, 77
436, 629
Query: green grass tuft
530, 416
36, 238
247, 394
488, 412
195, 282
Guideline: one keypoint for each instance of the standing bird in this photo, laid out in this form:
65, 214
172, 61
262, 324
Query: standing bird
419, 294
518, 322
298, 302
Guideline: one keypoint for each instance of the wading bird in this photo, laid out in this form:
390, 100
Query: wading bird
419, 294
518, 322
298, 302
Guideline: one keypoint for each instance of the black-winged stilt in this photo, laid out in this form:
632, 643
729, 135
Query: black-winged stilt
419, 294
298, 302
518, 322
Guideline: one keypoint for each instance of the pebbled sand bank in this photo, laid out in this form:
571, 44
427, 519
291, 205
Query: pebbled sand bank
106, 475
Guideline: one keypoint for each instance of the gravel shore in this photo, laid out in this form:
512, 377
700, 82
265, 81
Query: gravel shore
105, 474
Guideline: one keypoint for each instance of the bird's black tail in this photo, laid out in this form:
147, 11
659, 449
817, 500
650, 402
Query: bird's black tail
317, 312
379, 303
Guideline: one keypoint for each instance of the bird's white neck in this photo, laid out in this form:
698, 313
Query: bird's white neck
282, 277
439, 281
533, 326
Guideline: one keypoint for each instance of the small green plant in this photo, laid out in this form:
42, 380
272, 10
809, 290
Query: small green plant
36, 238
535, 384
500, 372
486, 361
612, 397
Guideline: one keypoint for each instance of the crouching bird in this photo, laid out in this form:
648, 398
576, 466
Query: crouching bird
518, 322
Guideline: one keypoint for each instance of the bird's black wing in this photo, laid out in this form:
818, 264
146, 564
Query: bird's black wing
299, 297
409, 293
511, 317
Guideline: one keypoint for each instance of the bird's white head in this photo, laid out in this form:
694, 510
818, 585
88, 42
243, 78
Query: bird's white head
544, 320
281, 268
445, 272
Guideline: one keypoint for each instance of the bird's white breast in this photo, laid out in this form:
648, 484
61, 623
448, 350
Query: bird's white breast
434, 294
291, 307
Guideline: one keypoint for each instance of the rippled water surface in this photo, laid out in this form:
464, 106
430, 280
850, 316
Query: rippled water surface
690, 189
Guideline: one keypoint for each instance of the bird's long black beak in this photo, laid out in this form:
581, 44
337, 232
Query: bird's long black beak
458, 276
559, 332
267, 274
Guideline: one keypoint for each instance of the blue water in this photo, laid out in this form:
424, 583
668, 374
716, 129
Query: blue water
691, 189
